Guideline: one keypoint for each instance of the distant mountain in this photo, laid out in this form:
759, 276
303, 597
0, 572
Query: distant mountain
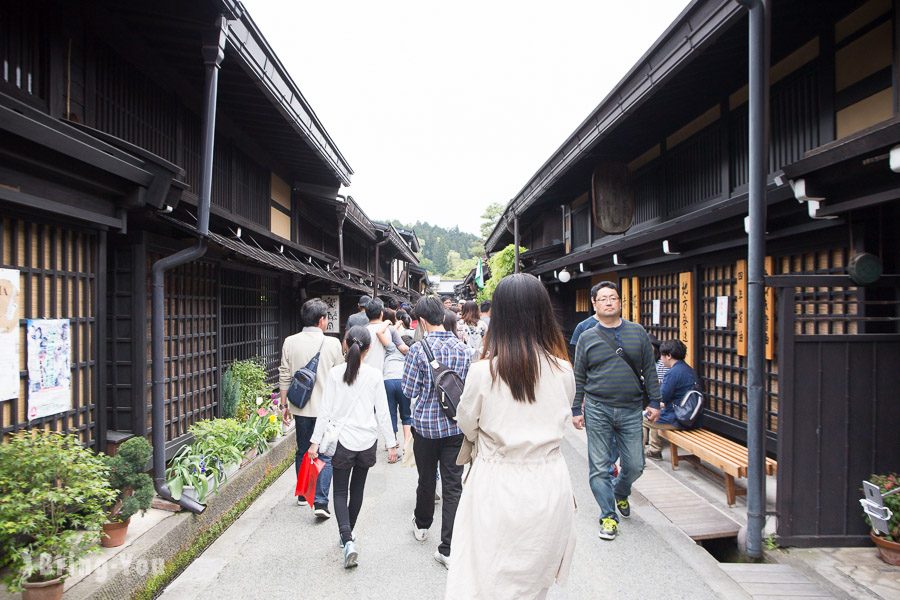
448, 252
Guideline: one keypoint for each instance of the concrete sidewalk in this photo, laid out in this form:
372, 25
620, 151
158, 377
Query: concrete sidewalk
278, 550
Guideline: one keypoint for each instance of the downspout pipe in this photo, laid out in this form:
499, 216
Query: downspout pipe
759, 55
378, 246
342, 216
213, 53
516, 242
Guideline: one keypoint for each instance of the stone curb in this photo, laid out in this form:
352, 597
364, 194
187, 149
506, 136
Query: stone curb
129, 572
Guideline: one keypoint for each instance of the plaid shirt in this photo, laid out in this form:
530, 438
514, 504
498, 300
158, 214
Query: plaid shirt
428, 417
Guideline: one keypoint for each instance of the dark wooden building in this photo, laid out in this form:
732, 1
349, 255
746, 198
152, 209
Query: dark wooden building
100, 160
651, 191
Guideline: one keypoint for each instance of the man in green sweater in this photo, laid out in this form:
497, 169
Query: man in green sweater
609, 401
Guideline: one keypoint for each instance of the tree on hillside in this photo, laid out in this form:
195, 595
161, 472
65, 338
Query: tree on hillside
489, 218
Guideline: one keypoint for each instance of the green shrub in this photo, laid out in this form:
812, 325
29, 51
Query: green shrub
127, 476
230, 394
250, 378
54, 495
502, 263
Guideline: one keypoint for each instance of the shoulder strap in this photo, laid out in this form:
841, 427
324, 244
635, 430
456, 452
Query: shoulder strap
620, 352
429, 354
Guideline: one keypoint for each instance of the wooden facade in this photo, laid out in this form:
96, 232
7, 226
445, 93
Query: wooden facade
100, 160
679, 122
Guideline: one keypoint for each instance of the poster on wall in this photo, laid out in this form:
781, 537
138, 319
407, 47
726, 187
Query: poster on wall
49, 370
333, 314
721, 311
9, 334
657, 309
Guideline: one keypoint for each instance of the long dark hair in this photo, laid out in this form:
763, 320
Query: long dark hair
523, 331
358, 341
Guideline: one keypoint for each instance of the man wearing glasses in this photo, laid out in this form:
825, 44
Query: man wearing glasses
609, 401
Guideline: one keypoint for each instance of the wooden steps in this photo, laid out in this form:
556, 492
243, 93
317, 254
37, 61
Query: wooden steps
686, 509
774, 582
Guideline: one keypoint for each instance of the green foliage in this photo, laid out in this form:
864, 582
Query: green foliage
189, 467
501, 264
249, 376
489, 218
223, 441
770, 542
437, 242
54, 495
886, 483
231, 395
134, 488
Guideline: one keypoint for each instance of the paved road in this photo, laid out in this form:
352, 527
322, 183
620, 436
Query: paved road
279, 550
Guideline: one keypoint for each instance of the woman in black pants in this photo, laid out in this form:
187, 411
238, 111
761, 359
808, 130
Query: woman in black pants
354, 408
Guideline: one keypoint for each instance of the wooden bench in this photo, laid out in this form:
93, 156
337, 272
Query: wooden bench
730, 457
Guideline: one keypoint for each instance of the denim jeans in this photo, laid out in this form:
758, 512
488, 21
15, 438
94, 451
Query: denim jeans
304, 429
397, 401
609, 428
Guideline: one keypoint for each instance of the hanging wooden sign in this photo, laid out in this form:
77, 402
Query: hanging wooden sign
612, 198
625, 296
686, 314
635, 300
740, 306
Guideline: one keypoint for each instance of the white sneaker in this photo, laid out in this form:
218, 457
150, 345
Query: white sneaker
444, 560
350, 555
420, 534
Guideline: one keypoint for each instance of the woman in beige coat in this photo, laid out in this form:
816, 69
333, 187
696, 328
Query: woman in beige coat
515, 526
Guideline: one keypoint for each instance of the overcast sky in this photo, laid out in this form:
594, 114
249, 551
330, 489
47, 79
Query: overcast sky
443, 108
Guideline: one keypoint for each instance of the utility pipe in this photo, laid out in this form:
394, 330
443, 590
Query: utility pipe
516, 242
378, 246
756, 251
342, 216
213, 53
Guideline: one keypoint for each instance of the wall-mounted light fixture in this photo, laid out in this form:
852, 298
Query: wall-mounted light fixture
564, 276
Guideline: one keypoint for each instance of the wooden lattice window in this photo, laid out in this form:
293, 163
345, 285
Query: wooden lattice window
663, 287
58, 280
722, 369
191, 340
823, 310
250, 320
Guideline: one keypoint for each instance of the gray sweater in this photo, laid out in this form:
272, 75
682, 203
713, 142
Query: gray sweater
603, 376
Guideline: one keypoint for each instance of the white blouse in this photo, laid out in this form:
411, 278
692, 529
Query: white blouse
361, 408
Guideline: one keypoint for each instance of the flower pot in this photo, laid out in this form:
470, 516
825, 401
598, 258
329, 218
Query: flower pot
889, 551
248, 456
43, 590
114, 533
231, 469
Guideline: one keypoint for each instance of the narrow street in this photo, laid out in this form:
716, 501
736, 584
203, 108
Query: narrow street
279, 550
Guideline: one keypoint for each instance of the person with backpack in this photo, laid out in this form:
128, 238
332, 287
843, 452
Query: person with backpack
515, 528
436, 437
679, 381
296, 353
354, 410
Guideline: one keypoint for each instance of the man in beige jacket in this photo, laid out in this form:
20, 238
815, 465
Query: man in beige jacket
296, 353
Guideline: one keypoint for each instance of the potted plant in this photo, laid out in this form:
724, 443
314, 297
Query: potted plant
54, 495
889, 544
193, 474
221, 440
249, 378
134, 488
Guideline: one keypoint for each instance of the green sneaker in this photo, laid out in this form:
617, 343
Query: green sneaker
624, 507
608, 529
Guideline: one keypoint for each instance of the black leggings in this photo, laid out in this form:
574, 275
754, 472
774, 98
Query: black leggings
346, 511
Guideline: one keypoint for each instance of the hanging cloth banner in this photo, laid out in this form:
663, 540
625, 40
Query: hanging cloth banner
49, 367
9, 334
479, 275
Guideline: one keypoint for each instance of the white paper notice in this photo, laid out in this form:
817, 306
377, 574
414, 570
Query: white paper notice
721, 311
9, 334
49, 370
333, 314
657, 309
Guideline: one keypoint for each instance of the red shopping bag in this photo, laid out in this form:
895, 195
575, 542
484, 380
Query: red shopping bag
306, 478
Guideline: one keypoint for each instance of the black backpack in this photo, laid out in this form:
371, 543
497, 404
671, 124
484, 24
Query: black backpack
303, 381
689, 409
448, 385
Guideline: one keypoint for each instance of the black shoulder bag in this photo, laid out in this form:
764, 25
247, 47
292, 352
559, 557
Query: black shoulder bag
620, 352
448, 385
